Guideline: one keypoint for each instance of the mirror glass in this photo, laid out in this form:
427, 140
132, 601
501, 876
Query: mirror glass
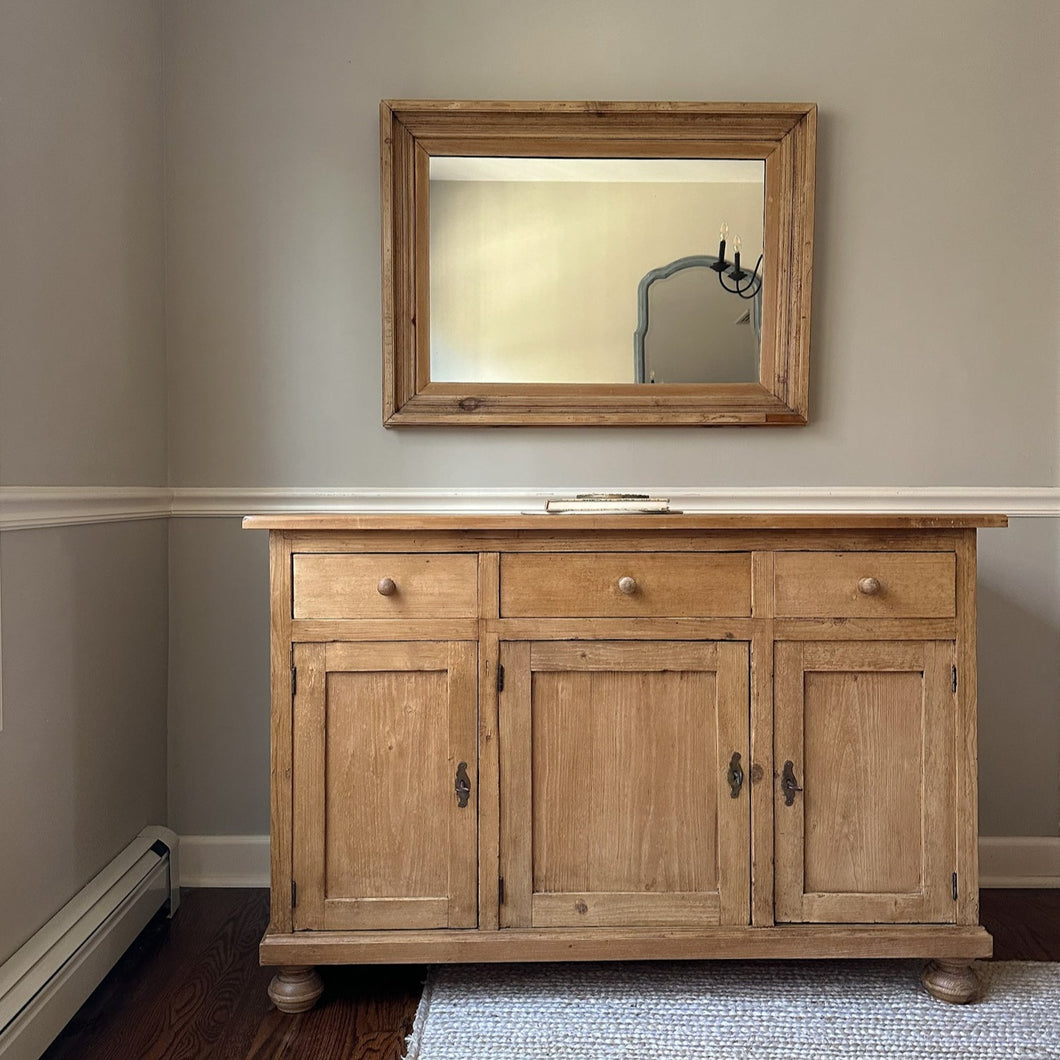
592, 270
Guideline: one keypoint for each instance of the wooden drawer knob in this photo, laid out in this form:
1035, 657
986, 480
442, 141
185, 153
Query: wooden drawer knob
387, 587
869, 586
627, 585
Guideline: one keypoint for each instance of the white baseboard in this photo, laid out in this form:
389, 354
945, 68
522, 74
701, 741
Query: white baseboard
224, 861
1019, 861
243, 861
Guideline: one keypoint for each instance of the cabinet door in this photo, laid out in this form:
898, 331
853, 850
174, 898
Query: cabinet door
380, 837
866, 733
615, 802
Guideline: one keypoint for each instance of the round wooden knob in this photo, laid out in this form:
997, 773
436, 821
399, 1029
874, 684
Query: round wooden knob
387, 587
869, 586
627, 585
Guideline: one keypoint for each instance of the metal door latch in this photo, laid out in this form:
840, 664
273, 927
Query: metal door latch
462, 786
788, 784
735, 775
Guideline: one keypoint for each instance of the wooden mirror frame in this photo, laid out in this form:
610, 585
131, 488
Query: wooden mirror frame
781, 134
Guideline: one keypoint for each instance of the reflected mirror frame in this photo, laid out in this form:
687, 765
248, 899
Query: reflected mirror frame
781, 134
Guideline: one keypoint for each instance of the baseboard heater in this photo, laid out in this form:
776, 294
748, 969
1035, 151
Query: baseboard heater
46, 981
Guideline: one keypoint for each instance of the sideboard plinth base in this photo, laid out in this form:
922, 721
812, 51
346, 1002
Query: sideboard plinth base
952, 944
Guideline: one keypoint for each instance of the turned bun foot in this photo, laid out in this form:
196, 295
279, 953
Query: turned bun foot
952, 981
295, 988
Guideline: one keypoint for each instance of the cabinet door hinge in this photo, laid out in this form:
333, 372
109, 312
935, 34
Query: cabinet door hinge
294, 680
294, 894
955, 679
500, 890
500, 678
955, 887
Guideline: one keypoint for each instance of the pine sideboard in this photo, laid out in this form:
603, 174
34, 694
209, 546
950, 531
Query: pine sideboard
585, 737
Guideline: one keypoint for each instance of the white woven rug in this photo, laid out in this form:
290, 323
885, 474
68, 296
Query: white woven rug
798, 1010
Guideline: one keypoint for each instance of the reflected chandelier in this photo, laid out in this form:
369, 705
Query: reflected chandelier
736, 274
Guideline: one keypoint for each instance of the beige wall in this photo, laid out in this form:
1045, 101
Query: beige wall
82, 403
1019, 679
938, 159
82, 751
938, 166
219, 678
82, 375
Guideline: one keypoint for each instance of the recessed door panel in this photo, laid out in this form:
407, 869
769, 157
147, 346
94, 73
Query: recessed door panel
381, 840
865, 806
622, 755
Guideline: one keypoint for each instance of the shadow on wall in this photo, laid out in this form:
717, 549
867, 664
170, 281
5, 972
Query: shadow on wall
218, 678
82, 754
1019, 682
116, 669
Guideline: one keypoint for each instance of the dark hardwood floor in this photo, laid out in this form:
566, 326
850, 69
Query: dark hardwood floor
191, 988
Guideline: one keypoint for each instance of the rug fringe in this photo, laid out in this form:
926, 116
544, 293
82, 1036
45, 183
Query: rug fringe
413, 1041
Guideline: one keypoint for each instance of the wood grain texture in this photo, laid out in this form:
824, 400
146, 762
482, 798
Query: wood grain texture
796, 941
379, 731
426, 586
783, 135
967, 754
323, 630
826, 585
595, 629
625, 785
621, 909
1025, 923
464, 522
657, 118
628, 749
516, 748
586, 585
387, 753
383, 914
281, 733
862, 762
192, 987
388, 273
310, 788
489, 798
869, 729
554, 533
734, 810
461, 821
760, 771
864, 628
598, 773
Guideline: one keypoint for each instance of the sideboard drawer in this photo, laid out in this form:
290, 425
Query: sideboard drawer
626, 585
865, 584
385, 585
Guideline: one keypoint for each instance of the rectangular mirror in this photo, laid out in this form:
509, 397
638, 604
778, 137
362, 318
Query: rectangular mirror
576, 263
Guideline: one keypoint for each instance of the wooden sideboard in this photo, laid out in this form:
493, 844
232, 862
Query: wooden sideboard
571, 737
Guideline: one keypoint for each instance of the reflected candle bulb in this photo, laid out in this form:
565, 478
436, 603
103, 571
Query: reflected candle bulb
736, 253
721, 245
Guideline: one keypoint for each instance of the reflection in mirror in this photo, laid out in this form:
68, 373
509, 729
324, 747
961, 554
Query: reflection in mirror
691, 328
536, 263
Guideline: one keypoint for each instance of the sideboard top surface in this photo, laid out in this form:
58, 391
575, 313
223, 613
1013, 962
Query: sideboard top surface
547, 523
